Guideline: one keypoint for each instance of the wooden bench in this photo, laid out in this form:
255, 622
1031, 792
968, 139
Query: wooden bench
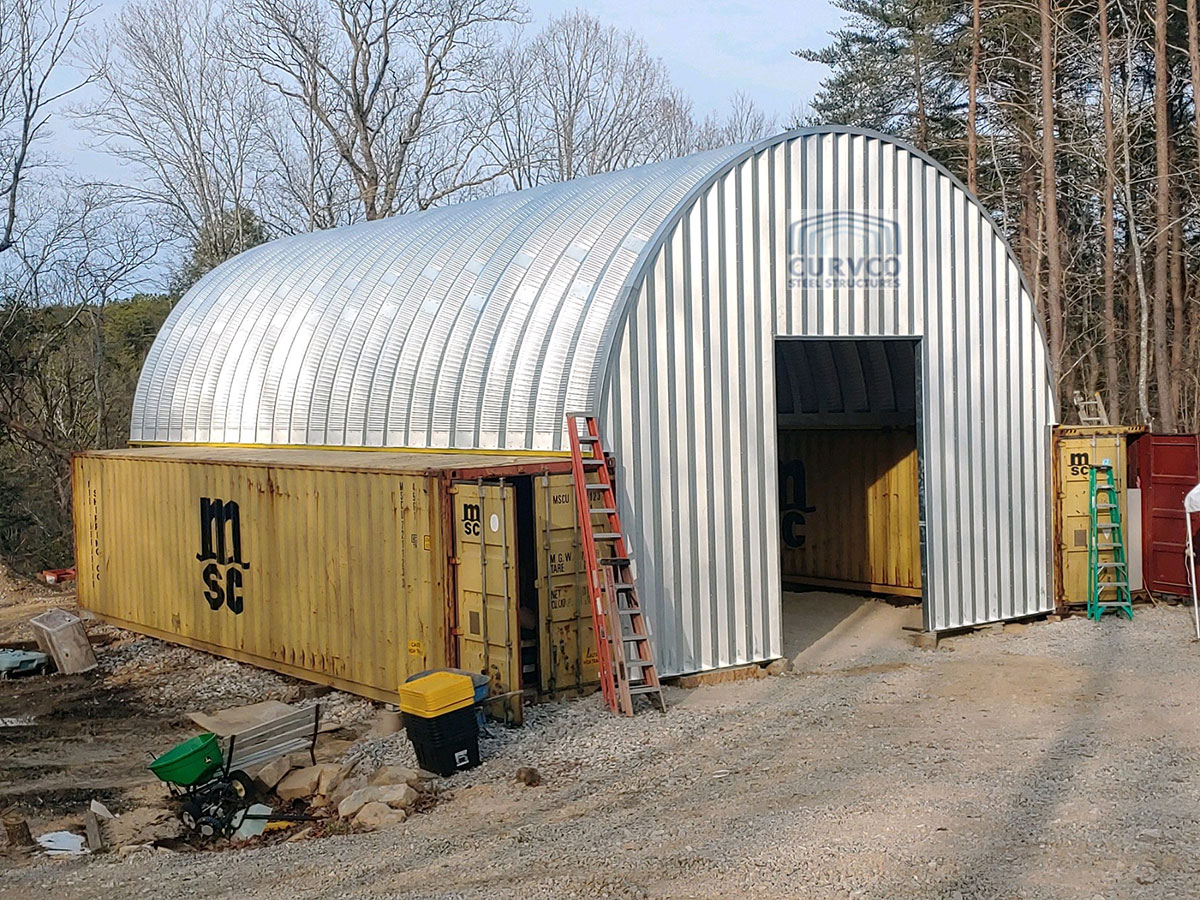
279, 737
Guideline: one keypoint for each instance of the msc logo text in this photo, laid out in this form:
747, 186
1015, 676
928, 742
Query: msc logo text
221, 549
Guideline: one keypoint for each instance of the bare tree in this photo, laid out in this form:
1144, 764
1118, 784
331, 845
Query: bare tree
190, 122
1054, 309
1108, 226
384, 80
1162, 215
742, 123
973, 102
36, 37
518, 143
601, 97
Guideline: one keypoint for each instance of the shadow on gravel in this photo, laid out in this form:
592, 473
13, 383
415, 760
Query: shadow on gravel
1037, 794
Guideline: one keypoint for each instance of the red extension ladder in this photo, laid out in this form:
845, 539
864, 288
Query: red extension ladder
622, 632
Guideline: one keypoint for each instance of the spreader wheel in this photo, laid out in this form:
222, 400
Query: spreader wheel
207, 827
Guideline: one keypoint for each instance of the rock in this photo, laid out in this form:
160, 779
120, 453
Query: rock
396, 775
95, 837
272, 773
379, 815
529, 776
345, 788
386, 722
101, 811
330, 777
779, 666
302, 834
350, 806
397, 796
304, 783
924, 640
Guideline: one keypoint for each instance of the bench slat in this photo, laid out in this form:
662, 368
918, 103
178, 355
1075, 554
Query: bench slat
287, 734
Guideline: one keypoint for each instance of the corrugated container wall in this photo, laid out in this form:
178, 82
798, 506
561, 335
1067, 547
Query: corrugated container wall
350, 569
1166, 467
326, 573
691, 412
855, 509
1076, 450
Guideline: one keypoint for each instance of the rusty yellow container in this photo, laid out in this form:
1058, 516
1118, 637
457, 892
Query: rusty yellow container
349, 568
569, 663
1076, 450
320, 564
849, 509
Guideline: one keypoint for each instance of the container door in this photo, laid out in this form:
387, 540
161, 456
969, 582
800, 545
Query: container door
568, 641
1168, 467
486, 592
1076, 456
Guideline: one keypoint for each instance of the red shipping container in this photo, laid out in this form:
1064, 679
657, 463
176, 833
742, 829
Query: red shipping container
1166, 467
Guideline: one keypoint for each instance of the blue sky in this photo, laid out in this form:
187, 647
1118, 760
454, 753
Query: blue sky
712, 50
716, 49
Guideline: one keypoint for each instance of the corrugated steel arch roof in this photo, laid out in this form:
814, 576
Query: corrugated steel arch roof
476, 325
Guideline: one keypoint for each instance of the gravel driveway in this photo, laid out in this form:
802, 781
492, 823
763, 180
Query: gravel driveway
1053, 760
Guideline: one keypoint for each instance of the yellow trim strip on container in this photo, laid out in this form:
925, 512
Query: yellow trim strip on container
448, 451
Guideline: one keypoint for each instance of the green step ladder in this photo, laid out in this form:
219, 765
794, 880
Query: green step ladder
1108, 576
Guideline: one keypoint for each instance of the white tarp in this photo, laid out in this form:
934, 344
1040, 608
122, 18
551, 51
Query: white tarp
1191, 504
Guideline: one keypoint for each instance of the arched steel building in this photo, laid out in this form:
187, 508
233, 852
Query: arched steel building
692, 303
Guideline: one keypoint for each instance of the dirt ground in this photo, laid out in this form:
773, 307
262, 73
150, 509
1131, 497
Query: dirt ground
1046, 760
92, 734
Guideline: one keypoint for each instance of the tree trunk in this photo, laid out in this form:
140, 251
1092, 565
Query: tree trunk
16, 830
1175, 384
1162, 219
1112, 370
1054, 313
919, 85
972, 101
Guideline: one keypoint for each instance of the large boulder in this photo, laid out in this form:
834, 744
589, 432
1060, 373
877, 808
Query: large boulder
396, 775
304, 783
379, 815
272, 773
397, 796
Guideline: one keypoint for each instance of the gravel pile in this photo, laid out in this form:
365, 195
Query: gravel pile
167, 679
1058, 760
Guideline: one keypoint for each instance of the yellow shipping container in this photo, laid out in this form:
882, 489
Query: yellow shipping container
849, 509
350, 568
1076, 450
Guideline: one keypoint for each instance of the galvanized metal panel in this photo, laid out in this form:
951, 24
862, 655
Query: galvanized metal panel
698, 466
657, 294
469, 326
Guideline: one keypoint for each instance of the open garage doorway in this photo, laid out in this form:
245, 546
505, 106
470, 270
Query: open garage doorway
847, 416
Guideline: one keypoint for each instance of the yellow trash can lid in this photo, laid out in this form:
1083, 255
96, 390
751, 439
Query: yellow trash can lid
436, 694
